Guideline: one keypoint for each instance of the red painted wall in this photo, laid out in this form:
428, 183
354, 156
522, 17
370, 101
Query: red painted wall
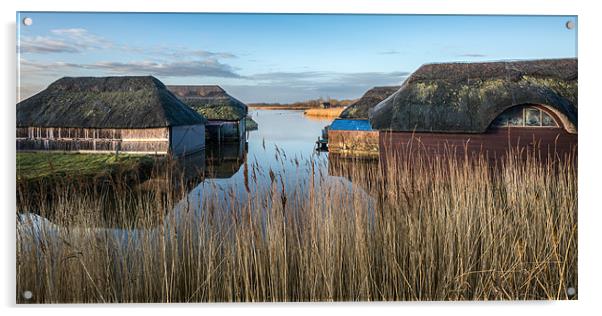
494, 143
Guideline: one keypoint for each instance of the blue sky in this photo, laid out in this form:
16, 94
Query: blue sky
275, 58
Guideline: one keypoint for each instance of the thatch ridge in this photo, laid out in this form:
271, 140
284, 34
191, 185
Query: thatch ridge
360, 108
467, 97
106, 102
212, 101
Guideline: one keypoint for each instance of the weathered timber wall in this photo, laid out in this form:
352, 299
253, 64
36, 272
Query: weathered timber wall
90, 133
538, 141
150, 140
353, 143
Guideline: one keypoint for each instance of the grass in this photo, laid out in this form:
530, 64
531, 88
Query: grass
220, 112
330, 112
39, 165
420, 228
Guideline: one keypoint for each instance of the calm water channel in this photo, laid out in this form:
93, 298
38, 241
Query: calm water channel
282, 146
280, 151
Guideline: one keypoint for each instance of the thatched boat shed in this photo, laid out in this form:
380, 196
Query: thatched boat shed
360, 108
483, 107
225, 114
351, 133
109, 114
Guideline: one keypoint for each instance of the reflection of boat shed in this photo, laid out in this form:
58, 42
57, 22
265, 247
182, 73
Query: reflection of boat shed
224, 160
481, 107
109, 114
225, 113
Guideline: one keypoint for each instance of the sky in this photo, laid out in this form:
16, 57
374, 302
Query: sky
275, 57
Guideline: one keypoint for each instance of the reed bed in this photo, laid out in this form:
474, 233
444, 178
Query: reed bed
425, 228
330, 112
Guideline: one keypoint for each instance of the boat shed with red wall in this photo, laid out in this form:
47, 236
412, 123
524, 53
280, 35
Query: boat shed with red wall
483, 108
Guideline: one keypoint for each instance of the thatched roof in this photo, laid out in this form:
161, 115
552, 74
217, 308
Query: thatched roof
359, 109
212, 101
105, 102
467, 97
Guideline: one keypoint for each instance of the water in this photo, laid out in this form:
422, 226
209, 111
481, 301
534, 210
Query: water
284, 144
286, 132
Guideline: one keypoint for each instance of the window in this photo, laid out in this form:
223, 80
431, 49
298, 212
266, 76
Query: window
526, 116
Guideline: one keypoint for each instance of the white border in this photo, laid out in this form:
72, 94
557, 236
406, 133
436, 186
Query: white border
589, 174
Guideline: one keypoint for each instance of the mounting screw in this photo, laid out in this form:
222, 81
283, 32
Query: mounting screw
27, 295
570, 25
571, 291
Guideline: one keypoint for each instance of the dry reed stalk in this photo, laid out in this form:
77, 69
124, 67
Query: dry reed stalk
413, 227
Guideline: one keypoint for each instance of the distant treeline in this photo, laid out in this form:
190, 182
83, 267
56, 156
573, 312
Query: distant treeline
305, 104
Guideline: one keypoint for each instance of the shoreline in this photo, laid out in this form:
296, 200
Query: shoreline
283, 107
307, 111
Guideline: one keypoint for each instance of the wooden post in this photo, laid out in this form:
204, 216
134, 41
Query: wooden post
219, 135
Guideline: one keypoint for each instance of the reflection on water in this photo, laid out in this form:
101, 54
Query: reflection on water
283, 139
225, 160
281, 152
284, 134
278, 156
231, 173
359, 172
283, 145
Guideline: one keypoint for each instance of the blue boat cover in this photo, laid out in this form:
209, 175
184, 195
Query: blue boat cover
350, 125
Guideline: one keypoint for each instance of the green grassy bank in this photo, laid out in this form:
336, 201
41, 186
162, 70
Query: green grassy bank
46, 165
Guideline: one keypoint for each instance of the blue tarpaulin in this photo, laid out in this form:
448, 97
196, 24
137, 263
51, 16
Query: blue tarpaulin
350, 125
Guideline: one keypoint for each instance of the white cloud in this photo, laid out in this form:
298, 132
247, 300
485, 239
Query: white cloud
208, 54
298, 86
41, 44
317, 79
70, 32
472, 55
200, 68
390, 52
63, 41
